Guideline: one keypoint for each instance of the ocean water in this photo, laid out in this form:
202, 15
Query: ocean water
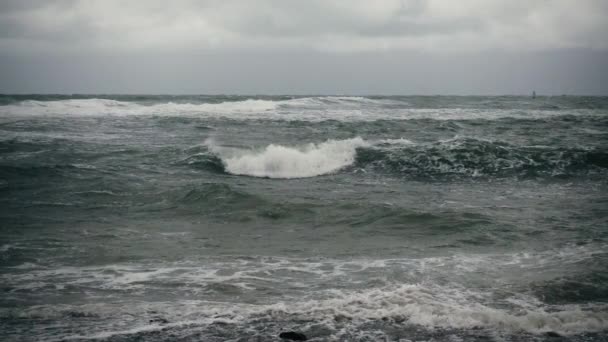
236, 218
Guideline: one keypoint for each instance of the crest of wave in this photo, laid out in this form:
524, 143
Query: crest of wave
113, 107
276, 161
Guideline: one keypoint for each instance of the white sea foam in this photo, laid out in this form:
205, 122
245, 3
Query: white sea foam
276, 161
88, 107
435, 306
418, 299
427, 305
510, 268
342, 108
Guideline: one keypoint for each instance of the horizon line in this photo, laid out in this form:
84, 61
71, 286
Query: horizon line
300, 94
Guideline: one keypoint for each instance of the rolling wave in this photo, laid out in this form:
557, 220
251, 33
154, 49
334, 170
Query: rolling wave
97, 106
455, 157
233, 204
314, 109
476, 157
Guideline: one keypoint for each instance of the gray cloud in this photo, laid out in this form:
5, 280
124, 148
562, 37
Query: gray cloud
390, 46
355, 25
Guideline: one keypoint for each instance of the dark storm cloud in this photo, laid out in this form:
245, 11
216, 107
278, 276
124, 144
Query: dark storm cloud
237, 38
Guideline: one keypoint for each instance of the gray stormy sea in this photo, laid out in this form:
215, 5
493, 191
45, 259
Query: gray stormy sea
235, 218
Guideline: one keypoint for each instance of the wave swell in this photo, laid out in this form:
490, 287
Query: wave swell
476, 157
97, 106
461, 156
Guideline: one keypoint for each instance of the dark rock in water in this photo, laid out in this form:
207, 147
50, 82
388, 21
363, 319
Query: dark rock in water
159, 320
552, 334
292, 335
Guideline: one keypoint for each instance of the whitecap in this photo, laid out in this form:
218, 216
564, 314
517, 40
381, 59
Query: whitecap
312, 109
277, 161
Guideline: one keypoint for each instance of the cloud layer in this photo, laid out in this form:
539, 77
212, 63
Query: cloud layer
304, 47
339, 25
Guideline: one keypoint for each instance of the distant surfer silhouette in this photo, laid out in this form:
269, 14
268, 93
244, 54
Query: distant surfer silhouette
534, 94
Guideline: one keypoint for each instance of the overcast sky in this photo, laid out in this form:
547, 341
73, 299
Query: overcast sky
304, 47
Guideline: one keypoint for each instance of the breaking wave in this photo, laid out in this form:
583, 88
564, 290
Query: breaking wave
418, 309
277, 161
314, 109
460, 156
113, 107
384, 303
97, 106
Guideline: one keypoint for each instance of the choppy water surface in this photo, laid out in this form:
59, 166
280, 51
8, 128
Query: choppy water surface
215, 218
